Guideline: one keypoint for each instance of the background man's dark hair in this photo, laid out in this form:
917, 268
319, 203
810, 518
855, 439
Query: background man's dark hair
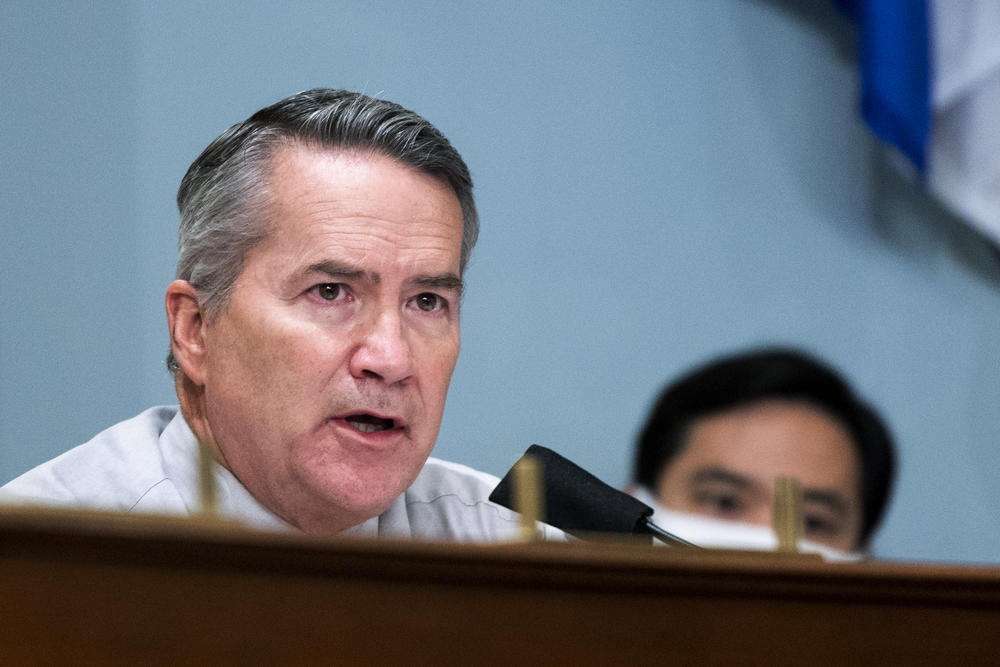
763, 375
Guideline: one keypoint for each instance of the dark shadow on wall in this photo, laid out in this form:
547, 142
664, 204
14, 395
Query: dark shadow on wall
821, 16
918, 224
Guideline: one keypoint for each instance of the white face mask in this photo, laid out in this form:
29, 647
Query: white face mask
719, 534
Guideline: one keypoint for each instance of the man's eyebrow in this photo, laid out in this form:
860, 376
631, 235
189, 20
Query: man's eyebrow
340, 271
718, 474
443, 281
832, 499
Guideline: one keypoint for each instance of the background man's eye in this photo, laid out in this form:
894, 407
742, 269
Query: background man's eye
329, 291
726, 504
819, 526
428, 301
719, 503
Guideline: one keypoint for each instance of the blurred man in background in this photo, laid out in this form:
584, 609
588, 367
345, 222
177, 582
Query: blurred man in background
314, 328
717, 438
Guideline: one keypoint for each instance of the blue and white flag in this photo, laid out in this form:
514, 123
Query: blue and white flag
930, 79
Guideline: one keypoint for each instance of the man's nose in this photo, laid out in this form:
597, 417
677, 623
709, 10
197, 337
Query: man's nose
761, 513
383, 350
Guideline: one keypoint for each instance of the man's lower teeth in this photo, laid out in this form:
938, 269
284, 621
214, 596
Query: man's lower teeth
366, 428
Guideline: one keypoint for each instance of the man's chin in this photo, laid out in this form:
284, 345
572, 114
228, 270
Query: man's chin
337, 494
330, 512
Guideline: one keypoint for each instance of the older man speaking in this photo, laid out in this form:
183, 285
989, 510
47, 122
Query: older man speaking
314, 328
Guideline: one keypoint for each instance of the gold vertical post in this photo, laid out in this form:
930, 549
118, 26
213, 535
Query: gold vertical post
206, 480
528, 496
787, 513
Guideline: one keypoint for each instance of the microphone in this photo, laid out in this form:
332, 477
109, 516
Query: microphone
578, 503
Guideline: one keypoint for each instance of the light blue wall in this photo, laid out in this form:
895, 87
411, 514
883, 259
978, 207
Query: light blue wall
659, 182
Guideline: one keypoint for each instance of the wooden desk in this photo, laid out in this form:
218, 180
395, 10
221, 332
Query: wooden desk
85, 589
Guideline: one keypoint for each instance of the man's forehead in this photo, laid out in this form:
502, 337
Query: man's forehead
350, 215
340, 177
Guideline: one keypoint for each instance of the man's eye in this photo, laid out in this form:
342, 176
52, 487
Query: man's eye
329, 291
721, 504
820, 526
429, 302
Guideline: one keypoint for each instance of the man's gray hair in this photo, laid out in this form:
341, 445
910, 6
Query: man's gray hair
225, 195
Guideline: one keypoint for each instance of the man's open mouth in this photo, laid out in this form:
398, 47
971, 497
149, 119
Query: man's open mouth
369, 423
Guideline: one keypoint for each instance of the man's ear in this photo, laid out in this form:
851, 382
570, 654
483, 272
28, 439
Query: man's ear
186, 324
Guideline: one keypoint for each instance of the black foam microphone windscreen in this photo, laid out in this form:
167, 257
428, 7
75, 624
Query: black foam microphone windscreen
576, 502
